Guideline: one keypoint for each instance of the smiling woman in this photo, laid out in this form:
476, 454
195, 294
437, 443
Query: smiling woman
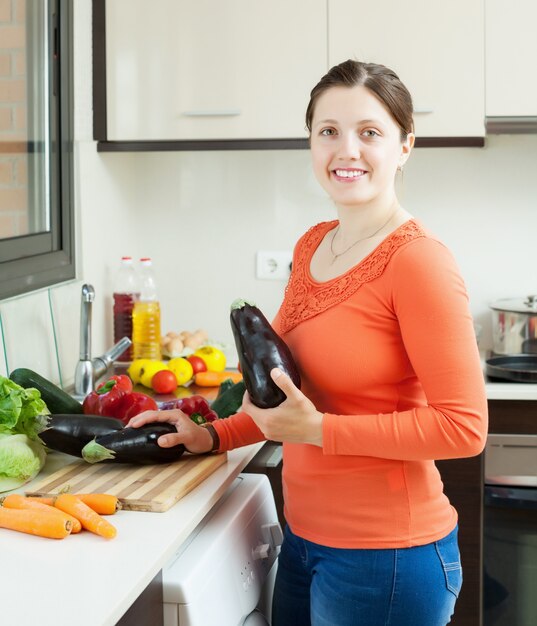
36, 205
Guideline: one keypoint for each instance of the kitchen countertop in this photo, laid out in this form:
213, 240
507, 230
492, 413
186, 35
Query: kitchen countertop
90, 581
505, 390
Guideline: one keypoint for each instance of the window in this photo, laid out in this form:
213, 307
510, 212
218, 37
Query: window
36, 138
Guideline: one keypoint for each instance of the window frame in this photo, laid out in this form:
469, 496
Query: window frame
39, 260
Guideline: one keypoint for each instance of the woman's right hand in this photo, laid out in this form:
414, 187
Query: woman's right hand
196, 439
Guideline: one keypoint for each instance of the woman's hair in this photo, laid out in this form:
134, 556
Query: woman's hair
379, 79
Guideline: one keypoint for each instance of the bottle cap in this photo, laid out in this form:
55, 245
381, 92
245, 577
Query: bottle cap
126, 259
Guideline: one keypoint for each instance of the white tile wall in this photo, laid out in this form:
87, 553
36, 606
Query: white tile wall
65, 302
28, 334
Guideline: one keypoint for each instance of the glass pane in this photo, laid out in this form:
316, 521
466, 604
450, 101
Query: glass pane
24, 120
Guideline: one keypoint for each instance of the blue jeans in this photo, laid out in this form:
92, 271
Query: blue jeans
320, 586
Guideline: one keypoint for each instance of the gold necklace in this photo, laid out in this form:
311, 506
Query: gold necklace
336, 256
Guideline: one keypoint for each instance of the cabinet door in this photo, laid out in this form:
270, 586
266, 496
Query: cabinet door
436, 48
212, 70
511, 51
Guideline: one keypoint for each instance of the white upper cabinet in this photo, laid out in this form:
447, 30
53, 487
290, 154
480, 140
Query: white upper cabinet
436, 48
205, 69
511, 53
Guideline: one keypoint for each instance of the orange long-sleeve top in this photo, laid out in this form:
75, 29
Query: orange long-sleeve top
387, 352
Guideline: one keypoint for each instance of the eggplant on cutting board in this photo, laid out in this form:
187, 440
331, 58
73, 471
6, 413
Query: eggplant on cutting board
260, 349
133, 445
69, 433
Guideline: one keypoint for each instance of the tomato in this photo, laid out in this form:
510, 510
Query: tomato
198, 364
215, 359
182, 369
164, 381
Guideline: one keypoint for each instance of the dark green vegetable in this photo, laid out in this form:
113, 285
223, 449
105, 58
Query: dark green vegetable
260, 349
70, 433
224, 386
56, 399
133, 445
229, 401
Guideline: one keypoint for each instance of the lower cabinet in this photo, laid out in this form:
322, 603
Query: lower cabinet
463, 485
148, 608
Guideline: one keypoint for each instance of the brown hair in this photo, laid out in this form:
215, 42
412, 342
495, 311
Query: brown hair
379, 79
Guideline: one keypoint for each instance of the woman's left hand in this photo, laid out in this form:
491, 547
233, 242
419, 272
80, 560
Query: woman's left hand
295, 420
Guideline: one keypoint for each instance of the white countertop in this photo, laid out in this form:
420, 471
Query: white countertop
511, 391
89, 581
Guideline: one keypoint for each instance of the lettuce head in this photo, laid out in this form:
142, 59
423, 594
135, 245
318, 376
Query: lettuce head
22, 417
21, 459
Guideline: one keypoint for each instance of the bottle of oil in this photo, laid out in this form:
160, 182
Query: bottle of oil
126, 293
146, 316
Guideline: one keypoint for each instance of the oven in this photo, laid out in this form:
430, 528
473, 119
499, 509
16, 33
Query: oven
510, 531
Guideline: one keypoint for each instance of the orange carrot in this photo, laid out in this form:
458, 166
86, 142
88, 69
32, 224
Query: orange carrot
215, 379
42, 499
102, 503
35, 522
90, 520
16, 501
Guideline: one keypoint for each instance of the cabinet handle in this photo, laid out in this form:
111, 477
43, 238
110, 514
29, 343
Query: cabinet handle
423, 110
212, 113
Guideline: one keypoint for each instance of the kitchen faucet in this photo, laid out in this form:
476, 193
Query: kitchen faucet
89, 370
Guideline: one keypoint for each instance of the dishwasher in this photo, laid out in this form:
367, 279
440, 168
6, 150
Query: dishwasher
223, 574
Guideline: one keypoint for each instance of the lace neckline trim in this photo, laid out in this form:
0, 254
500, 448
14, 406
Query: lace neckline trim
305, 297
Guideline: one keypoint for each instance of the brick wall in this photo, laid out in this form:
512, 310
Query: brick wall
13, 120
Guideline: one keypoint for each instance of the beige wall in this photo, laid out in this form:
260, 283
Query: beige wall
203, 215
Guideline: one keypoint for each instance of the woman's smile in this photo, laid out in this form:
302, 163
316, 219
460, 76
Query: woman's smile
348, 175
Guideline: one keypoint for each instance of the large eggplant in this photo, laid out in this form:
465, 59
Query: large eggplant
70, 433
134, 445
260, 349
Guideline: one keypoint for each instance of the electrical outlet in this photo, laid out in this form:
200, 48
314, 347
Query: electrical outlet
272, 265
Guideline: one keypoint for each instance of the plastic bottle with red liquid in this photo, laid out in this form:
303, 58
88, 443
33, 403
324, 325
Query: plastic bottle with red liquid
126, 293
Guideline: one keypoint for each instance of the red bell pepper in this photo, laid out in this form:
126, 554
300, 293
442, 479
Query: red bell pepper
134, 403
196, 407
106, 398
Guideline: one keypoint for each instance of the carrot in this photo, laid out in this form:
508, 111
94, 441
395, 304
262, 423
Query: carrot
35, 522
102, 503
16, 501
42, 499
215, 379
88, 518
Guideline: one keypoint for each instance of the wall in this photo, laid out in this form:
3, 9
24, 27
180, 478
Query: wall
203, 215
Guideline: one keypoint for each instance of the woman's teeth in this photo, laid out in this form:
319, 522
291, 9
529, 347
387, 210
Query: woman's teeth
349, 173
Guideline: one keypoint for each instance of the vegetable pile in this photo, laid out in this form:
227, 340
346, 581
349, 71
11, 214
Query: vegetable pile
59, 516
22, 417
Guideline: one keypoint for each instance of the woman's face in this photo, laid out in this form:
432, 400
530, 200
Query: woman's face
356, 147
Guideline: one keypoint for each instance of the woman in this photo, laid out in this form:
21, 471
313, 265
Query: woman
377, 318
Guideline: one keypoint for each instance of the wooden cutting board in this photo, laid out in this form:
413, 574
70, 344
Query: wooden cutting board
138, 487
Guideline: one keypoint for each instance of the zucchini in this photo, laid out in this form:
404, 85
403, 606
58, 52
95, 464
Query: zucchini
70, 433
224, 386
134, 445
56, 399
260, 349
229, 401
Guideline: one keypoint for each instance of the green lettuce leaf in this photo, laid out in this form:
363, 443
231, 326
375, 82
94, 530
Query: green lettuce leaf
22, 410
